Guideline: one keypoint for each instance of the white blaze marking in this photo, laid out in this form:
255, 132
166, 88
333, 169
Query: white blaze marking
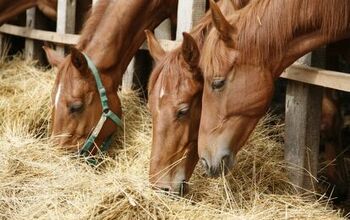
161, 94
58, 94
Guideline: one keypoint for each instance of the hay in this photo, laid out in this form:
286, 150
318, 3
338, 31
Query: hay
38, 180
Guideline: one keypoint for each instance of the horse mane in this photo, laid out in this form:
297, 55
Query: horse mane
95, 16
172, 65
268, 25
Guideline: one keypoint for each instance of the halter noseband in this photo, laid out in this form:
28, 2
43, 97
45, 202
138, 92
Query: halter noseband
106, 113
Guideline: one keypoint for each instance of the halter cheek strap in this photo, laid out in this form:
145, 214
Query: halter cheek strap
106, 114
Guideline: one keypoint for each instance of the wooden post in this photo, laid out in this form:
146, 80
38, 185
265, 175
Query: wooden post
303, 115
65, 19
30, 47
128, 76
302, 131
188, 14
3, 46
163, 31
33, 48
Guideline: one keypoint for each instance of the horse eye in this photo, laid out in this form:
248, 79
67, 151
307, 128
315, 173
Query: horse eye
218, 84
182, 112
76, 107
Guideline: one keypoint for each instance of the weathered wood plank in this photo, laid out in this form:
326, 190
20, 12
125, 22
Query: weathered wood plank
320, 77
35, 19
32, 48
315, 76
188, 14
69, 39
29, 43
3, 45
128, 76
302, 132
163, 31
65, 19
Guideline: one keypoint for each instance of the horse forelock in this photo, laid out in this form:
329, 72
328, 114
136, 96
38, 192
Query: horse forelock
213, 58
172, 74
65, 79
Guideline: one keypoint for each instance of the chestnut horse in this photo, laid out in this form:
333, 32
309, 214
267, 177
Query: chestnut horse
241, 58
169, 166
111, 36
175, 93
11, 8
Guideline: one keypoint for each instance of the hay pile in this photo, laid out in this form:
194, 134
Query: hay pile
38, 180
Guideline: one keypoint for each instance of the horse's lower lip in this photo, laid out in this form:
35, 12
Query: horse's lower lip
69, 139
73, 144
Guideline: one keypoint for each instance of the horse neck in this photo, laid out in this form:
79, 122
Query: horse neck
120, 32
276, 33
12, 8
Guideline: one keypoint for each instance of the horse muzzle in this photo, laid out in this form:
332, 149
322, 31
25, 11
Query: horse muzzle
216, 169
180, 189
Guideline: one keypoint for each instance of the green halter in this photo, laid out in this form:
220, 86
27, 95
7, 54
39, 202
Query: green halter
106, 113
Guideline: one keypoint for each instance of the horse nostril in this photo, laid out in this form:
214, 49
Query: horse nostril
225, 160
165, 189
205, 163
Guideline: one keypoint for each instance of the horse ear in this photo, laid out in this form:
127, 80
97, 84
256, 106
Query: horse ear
225, 29
154, 47
78, 60
54, 58
239, 4
190, 51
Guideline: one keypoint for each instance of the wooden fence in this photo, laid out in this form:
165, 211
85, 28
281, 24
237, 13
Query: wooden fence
304, 90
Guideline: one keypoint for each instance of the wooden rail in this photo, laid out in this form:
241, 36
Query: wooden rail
319, 77
300, 73
69, 39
